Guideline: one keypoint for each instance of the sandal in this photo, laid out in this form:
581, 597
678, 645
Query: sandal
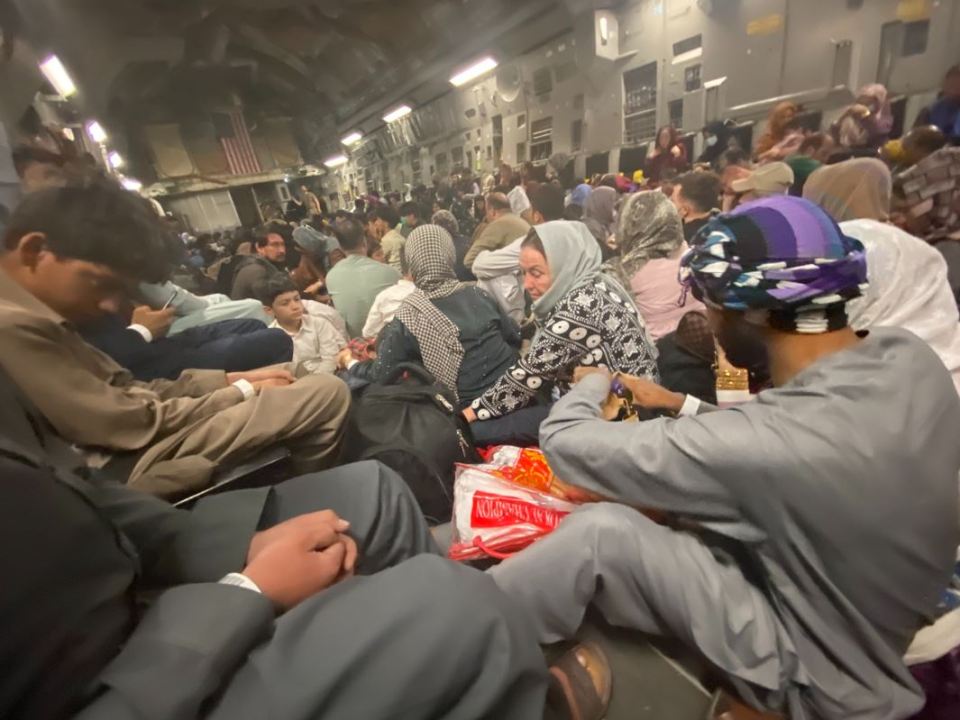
581, 683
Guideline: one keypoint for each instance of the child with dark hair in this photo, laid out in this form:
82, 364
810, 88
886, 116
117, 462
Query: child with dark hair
316, 341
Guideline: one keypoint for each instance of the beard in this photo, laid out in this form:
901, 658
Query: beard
744, 345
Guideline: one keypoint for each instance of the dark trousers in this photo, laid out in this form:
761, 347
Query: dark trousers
229, 345
520, 428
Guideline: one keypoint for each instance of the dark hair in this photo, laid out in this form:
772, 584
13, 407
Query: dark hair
573, 212
702, 189
404, 266
349, 233
812, 143
26, 155
926, 139
736, 156
385, 213
547, 200
261, 236
532, 240
99, 222
267, 291
411, 208
498, 201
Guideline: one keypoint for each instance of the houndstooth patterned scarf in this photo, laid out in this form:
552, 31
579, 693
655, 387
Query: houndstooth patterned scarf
430, 257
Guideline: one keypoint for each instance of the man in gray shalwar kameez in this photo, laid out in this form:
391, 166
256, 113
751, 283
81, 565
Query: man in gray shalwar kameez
837, 490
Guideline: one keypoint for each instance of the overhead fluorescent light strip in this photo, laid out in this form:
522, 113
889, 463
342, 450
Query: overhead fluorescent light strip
352, 139
58, 76
96, 132
397, 113
474, 71
336, 161
115, 159
131, 184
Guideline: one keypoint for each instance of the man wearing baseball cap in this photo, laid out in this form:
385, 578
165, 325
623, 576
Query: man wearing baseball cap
817, 525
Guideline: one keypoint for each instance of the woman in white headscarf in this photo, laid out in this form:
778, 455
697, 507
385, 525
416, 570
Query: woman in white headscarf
908, 289
585, 318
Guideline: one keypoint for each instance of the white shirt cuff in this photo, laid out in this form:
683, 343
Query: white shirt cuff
142, 331
246, 388
691, 406
240, 580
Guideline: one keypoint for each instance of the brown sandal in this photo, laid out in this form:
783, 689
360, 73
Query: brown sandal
581, 683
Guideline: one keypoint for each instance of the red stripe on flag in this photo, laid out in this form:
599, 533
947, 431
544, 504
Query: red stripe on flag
241, 157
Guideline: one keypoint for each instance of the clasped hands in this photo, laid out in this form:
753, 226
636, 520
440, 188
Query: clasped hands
298, 558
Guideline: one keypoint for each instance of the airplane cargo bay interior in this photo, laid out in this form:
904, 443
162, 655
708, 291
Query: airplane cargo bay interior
480, 359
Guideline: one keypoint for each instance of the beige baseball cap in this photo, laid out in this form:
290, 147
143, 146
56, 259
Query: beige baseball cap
770, 179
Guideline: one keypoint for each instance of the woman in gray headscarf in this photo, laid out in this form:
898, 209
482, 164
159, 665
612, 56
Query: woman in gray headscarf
599, 215
454, 329
585, 318
650, 236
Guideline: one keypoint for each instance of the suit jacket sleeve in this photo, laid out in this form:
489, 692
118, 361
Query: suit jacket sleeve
190, 639
183, 546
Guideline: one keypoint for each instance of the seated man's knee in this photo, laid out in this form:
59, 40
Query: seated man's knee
325, 389
454, 592
606, 524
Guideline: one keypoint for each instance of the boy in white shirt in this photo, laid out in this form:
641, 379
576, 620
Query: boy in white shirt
316, 341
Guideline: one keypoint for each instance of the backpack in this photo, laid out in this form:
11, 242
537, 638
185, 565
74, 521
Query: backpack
412, 425
228, 271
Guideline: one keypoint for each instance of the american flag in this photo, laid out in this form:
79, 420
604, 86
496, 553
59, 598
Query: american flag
232, 130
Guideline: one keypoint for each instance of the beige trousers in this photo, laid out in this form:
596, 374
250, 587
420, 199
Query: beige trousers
307, 417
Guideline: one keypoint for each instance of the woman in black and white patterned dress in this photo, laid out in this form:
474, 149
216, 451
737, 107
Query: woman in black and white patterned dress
585, 318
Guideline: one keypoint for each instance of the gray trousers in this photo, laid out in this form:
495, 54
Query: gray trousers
647, 577
416, 636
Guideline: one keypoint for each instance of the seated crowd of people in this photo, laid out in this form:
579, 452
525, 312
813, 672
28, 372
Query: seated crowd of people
799, 543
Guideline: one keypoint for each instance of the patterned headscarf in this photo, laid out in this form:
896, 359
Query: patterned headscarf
931, 195
574, 259
856, 189
430, 257
783, 255
649, 227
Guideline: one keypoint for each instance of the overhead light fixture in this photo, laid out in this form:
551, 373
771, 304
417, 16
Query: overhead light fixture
352, 139
131, 184
58, 76
96, 132
604, 29
479, 68
336, 161
68, 134
397, 113
115, 159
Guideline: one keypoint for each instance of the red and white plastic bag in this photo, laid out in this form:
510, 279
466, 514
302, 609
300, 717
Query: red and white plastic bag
495, 511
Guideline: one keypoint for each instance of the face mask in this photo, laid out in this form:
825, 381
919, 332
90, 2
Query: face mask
711, 141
